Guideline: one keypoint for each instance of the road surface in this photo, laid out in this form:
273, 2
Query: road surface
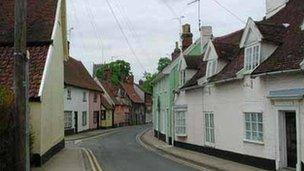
120, 151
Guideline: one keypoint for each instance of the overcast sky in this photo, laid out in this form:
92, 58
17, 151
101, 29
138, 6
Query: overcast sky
149, 25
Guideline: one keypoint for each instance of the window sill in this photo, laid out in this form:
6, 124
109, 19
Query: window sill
181, 135
253, 142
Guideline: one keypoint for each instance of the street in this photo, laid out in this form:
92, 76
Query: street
120, 151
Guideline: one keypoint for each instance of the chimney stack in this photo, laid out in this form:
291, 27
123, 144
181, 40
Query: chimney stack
129, 79
176, 52
186, 37
274, 6
206, 34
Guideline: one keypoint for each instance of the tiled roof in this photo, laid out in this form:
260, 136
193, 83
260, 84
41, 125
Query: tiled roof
75, 74
38, 55
192, 62
225, 51
40, 20
271, 32
106, 103
199, 74
290, 53
132, 94
111, 90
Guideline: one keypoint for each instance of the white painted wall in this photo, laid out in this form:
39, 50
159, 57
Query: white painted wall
77, 104
229, 101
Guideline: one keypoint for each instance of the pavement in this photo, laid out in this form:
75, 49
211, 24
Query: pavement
68, 159
200, 160
120, 150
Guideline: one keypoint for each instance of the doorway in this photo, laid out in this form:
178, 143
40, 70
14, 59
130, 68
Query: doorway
76, 122
291, 139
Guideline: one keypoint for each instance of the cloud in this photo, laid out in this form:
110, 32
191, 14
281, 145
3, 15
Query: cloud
149, 26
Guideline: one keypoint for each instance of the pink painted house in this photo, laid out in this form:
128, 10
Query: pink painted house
94, 109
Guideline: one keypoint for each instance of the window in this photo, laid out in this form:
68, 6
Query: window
209, 127
68, 119
211, 68
84, 98
180, 123
254, 127
95, 117
252, 57
95, 97
183, 77
84, 118
103, 115
69, 94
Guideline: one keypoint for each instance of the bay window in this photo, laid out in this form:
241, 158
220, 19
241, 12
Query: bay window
252, 57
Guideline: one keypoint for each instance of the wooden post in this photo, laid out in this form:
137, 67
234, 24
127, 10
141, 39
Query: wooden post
20, 111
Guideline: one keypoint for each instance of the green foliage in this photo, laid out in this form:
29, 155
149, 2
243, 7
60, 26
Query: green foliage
162, 63
147, 85
118, 69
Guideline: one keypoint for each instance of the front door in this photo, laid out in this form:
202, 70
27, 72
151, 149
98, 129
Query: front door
291, 139
76, 121
98, 119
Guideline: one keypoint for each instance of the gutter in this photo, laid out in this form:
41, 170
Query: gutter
276, 72
226, 80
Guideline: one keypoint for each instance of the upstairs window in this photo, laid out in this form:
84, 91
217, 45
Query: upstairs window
183, 77
211, 67
84, 98
69, 94
252, 57
95, 97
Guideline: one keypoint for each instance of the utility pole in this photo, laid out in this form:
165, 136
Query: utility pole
198, 11
20, 112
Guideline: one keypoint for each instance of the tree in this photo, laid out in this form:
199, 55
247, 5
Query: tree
162, 63
147, 85
118, 69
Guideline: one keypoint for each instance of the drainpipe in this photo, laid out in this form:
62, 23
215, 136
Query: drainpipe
298, 117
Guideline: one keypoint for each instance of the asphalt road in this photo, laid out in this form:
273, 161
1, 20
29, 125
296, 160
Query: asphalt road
120, 151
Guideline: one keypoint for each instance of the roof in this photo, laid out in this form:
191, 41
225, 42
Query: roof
38, 55
132, 94
271, 32
199, 74
192, 62
112, 90
106, 103
290, 53
224, 50
40, 20
75, 74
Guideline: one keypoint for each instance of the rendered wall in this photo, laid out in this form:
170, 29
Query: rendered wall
35, 126
76, 104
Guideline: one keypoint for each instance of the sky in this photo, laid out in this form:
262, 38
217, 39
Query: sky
146, 30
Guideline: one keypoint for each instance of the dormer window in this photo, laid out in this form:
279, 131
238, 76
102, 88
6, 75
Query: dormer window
211, 67
252, 57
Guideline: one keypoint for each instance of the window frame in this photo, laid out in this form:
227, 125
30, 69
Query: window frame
84, 113
95, 98
84, 96
254, 127
70, 119
178, 125
255, 56
211, 68
209, 128
69, 94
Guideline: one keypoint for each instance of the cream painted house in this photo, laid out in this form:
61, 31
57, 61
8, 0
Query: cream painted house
47, 46
246, 102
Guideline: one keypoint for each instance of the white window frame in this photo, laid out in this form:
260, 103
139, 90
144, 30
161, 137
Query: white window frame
182, 77
211, 67
84, 118
253, 127
254, 59
68, 119
209, 128
180, 122
69, 94
84, 97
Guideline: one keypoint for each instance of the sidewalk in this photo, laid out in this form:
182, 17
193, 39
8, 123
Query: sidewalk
200, 159
68, 159
88, 134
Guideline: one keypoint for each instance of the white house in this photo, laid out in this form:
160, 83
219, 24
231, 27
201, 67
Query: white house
245, 102
78, 84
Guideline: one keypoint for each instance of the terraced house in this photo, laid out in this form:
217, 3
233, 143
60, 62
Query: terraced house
245, 101
47, 49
